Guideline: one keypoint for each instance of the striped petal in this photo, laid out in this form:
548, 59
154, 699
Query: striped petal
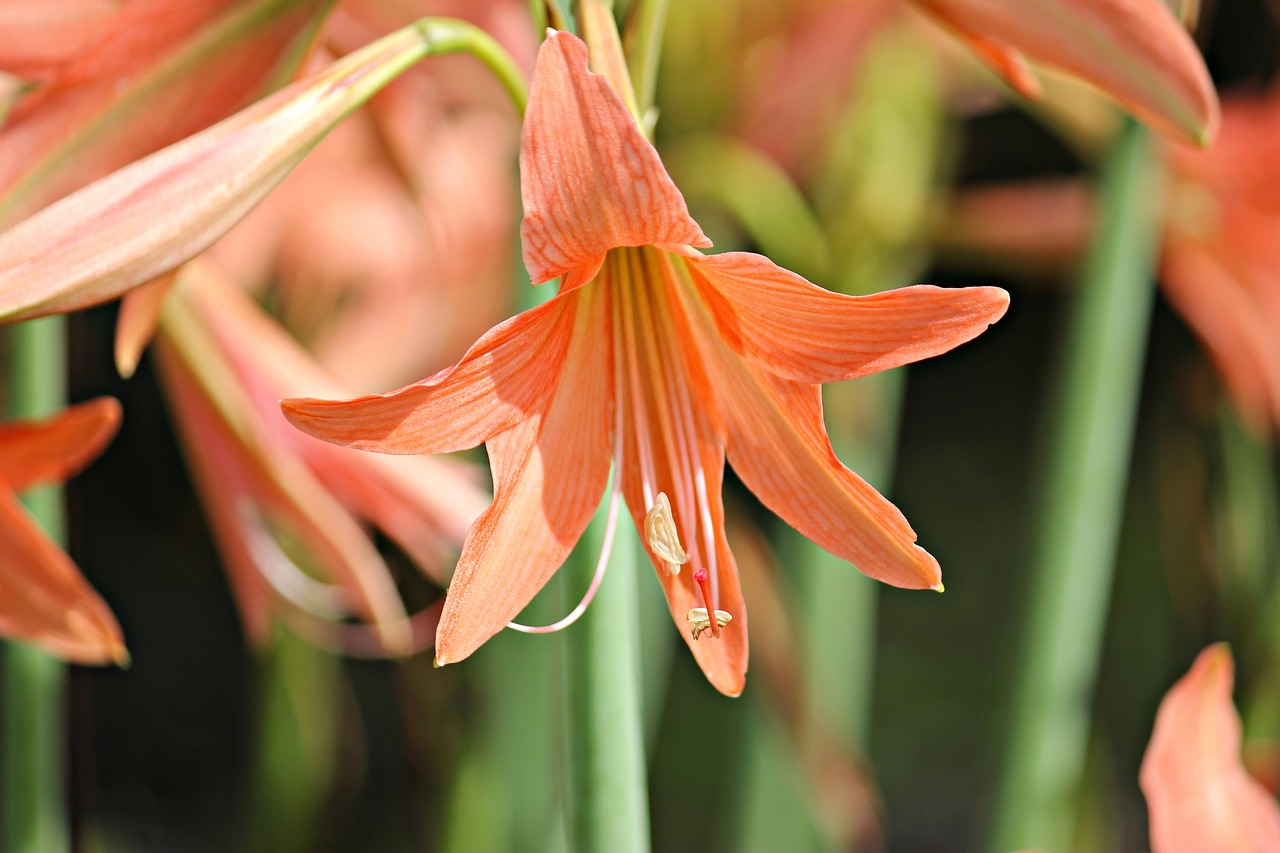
549, 472
589, 180
797, 330
506, 376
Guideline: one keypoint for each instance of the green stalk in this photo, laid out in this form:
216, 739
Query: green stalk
644, 47
606, 785
1080, 510
34, 757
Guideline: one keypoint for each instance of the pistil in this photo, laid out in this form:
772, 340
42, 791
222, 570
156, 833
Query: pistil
700, 617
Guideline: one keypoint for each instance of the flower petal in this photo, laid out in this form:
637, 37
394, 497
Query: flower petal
778, 445
1136, 50
37, 37
548, 472
797, 330
54, 449
45, 600
507, 375
158, 212
589, 179
1199, 796
673, 438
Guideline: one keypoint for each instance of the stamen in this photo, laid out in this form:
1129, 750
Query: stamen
664, 540
703, 622
699, 620
603, 563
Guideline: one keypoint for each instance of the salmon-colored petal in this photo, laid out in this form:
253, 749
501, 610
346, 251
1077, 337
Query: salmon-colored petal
1199, 796
45, 600
778, 445
1136, 50
161, 71
136, 322
549, 473
1009, 63
425, 504
35, 38
52, 450
1238, 335
797, 330
218, 423
673, 442
589, 179
506, 376
147, 218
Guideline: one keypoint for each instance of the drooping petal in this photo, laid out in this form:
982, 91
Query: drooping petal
507, 375
52, 450
1199, 796
45, 600
779, 447
147, 218
136, 322
673, 442
589, 179
797, 330
1136, 50
549, 472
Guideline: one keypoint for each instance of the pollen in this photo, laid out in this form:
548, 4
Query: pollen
700, 621
664, 539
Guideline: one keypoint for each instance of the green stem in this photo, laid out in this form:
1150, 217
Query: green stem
604, 736
1080, 510
644, 47
33, 807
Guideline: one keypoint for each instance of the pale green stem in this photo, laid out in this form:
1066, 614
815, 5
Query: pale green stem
644, 47
34, 751
604, 737
1080, 511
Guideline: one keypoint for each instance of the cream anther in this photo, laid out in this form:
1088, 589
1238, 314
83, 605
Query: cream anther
700, 621
664, 539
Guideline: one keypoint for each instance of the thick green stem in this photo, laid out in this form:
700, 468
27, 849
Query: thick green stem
34, 752
604, 735
1080, 510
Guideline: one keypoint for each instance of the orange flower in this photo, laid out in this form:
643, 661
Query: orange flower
1221, 263
1135, 50
660, 360
1200, 798
43, 597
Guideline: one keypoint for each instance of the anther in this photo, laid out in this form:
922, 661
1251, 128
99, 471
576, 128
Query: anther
664, 539
700, 621
700, 617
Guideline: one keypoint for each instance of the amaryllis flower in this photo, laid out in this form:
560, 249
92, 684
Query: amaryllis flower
660, 360
1199, 795
43, 597
1135, 50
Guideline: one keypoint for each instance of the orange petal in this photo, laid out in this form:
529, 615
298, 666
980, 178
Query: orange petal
54, 449
589, 179
1135, 50
548, 474
667, 413
160, 211
505, 377
37, 37
1199, 796
797, 330
136, 322
1235, 329
45, 600
778, 445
